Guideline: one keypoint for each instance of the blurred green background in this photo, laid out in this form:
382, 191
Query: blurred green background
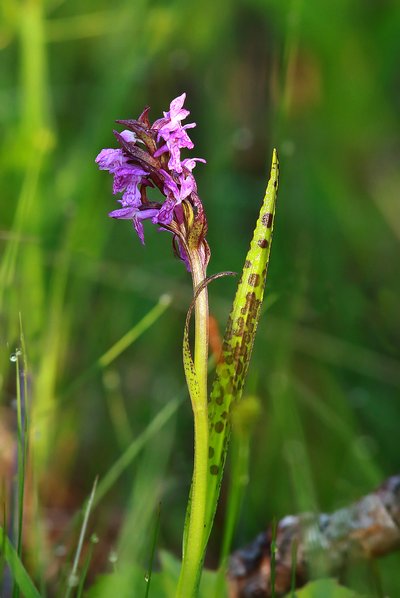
319, 81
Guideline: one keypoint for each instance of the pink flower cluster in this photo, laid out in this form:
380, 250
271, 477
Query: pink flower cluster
150, 156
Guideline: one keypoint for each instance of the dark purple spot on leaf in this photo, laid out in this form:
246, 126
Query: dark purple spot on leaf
254, 280
267, 219
240, 327
219, 426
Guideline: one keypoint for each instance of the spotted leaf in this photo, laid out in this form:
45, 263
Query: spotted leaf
238, 342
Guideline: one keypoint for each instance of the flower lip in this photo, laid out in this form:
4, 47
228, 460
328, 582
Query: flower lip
175, 114
190, 163
123, 213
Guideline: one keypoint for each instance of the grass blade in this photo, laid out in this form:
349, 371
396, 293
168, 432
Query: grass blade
22, 447
273, 558
132, 335
153, 549
135, 447
19, 573
118, 347
85, 569
73, 579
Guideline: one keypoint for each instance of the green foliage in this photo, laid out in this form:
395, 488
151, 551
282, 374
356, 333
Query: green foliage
163, 582
316, 80
324, 588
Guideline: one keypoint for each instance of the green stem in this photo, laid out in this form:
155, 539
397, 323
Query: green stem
193, 546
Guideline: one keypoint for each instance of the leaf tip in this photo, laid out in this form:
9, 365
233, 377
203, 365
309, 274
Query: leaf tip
275, 161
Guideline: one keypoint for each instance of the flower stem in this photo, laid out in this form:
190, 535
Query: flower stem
193, 546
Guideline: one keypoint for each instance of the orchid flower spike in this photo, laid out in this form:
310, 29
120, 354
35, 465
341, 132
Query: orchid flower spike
150, 156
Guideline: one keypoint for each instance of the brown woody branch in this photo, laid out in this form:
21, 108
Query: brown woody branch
310, 545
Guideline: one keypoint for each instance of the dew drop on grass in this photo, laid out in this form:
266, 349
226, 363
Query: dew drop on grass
146, 578
14, 356
113, 557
